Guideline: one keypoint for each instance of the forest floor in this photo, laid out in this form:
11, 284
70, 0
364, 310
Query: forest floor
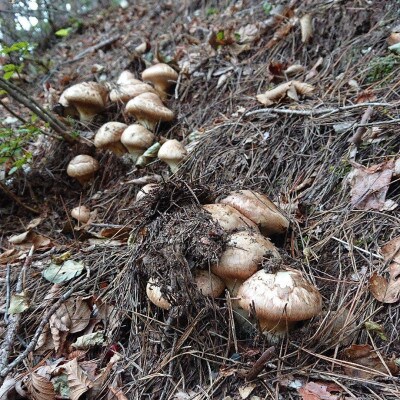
327, 155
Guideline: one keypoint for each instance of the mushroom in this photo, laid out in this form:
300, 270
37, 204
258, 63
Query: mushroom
109, 137
137, 139
242, 257
153, 291
81, 214
279, 300
126, 77
260, 209
82, 168
172, 152
229, 218
88, 98
149, 110
146, 189
162, 76
129, 87
208, 283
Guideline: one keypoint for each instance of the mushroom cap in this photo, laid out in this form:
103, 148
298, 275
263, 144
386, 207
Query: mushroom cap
136, 138
285, 295
229, 218
82, 166
125, 92
109, 137
208, 283
260, 209
153, 291
160, 74
243, 255
172, 151
146, 189
127, 77
81, 214
148, 106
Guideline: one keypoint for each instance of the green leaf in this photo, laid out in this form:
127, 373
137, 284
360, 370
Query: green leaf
9, 68
8, 75
220, 35
19, 303
63, 32
67, 271
267, 7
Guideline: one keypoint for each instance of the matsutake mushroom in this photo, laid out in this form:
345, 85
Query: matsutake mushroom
172, 152
137, 139
155, 295
208, 283
82, 168
162, 76
81, 214
109, 137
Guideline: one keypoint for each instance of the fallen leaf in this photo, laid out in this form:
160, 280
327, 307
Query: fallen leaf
366, 96
391, 250
78, 382
371, 326
306, 28
245, 391
26, 239
86, 342
19, 303
40, 388
319, 391
67, 271
291, 89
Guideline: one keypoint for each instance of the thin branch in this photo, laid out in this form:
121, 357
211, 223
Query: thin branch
259, 364
357, 137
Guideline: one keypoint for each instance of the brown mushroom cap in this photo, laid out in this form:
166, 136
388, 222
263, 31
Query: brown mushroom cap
172, 152
243, 255
82, 168
81, 214
149, 110
125, 92
127, 77
279, 299
137, 139
153, 291
229, 218
260, 209
162, 76
89, 98
109, 137
208, 283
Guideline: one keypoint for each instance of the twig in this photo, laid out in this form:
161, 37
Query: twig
16, 198
357, 137
259, 364
6, 370
347, 246
14, 319
8, 293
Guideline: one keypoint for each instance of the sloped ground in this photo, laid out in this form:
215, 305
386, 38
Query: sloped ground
297, 152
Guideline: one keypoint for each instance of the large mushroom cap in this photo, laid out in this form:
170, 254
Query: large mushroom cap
243, 255
109, 137
229, 218
89, 98
260, 209
162, 76
208, 283
279, 299
82, 168
149, 110
137, 139
172, 152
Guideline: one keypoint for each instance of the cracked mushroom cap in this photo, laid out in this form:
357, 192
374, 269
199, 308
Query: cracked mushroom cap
162, 76
81, 214
109, 137
149, 110
260, 209
172, 152
279, 299
89, 98
243, 255
229, 218
208, 283
137, 139
82, 168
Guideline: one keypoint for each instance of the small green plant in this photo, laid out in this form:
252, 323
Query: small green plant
380, 67
16, 53
267, 7
211, 11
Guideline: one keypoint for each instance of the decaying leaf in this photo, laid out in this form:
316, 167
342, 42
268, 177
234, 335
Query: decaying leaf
366, 356
320, 391
19, 303
85, 342
77, 380
26, 239
371, 326
306, 28
384, 291
40, 388
291, 89
369, 186
10, 256
67, 271
391, 250
245, 391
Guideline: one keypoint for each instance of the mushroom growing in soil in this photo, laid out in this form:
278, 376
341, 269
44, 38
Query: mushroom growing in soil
162, 76
208, 283
88, 98
81, 214
137, 139
146, 189
279, 300
82, 168
153, 291
173, 153
229, 218
260, 209
109, 137
129, 87
149, 110
242, 257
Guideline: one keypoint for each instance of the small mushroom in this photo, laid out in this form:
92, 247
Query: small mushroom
260, 209
126, 77
145, 190
88, 98
129, 87
153, 291
109, 137
81, 214
82, 168
242, 257
162, 76
229, 218
172, 152
279, 300
137, 139
149, 110
208, 283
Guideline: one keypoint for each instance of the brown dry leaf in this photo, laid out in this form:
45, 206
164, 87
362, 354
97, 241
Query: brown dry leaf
40, 388
306, 28
9, 256
81, 317
369, 186
366, 356
391, 250
291, 89
77, 380
319, 391
27, 239
116, 233
281, 33
34, 223
245, 391
366, 96
393, 38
